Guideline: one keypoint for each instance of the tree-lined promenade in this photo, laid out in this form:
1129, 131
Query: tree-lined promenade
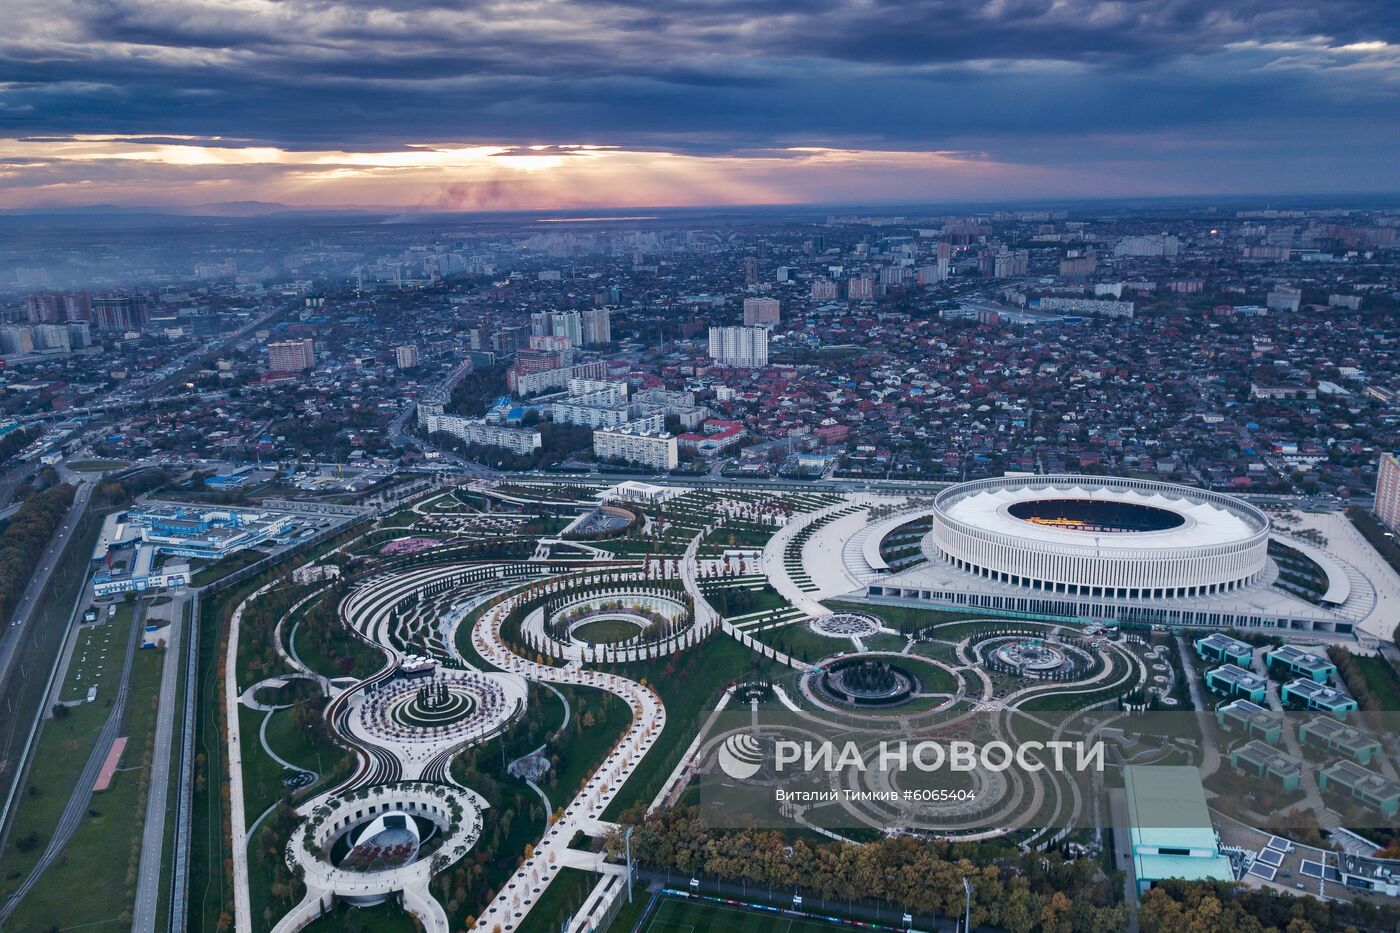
1019, 892
1011, 890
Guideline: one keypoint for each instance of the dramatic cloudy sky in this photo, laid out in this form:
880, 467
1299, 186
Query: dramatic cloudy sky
579, 103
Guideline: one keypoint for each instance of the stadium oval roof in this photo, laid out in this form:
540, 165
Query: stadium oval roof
1205, 518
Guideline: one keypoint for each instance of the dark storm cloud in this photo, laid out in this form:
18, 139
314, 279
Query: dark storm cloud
695, 75
1124, 34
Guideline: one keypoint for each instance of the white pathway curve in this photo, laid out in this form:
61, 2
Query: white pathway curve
238, 820
584, 812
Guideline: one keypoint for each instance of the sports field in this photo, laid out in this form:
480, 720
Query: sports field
674, 915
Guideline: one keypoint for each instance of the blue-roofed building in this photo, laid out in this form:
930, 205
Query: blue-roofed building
1233, 680
1339, 738
1261, 760
1250, 719
1319, 698
1349, 779
1295, 662
1169, 828
1222, 649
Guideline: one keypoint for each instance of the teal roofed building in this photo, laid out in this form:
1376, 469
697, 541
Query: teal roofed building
1295, 662
1310, 695
1340, 738
1261, 761
1251, 719
1349, 779
1222, 649
1233, 680
1169, 828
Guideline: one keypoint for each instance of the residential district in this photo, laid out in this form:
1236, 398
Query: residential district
479, 574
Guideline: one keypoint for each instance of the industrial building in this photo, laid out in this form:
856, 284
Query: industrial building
1169, 826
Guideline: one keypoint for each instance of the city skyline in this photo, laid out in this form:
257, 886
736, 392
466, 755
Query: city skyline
565, 105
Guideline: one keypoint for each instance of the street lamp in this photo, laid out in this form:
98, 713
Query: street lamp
627, 841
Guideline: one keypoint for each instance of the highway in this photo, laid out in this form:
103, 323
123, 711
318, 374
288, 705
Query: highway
11, 637
153, 833
137, 393
9, 641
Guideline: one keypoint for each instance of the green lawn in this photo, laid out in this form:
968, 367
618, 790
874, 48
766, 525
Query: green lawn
665, 546
1380, 680
1068, 702
802, 643
272, 890
957, 631
883, 642
731, 601
938, 651
325, 646
597, 720
101, 858
64, 746
97, 466
560, 901
932, 678
464, 639
305, 748
628, 914
606, 631
674, 915
904, 618
262, 776
688, 687
48, 627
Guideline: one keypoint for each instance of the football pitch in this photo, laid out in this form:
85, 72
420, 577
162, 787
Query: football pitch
675, 915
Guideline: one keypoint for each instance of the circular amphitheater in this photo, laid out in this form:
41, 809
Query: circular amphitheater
1032, 656
867, 680
845, 625
432, 706
631, 614
1100, 536
369, 846
419, 717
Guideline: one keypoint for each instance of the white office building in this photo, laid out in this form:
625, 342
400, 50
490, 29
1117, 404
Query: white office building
475, 431
565, 324
606, 407
740, 347
406, 356
597, 326
643, 442
1163, 245
760, 311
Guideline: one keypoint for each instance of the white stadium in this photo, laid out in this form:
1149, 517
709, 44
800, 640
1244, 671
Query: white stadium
1100, 537
1091, 549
